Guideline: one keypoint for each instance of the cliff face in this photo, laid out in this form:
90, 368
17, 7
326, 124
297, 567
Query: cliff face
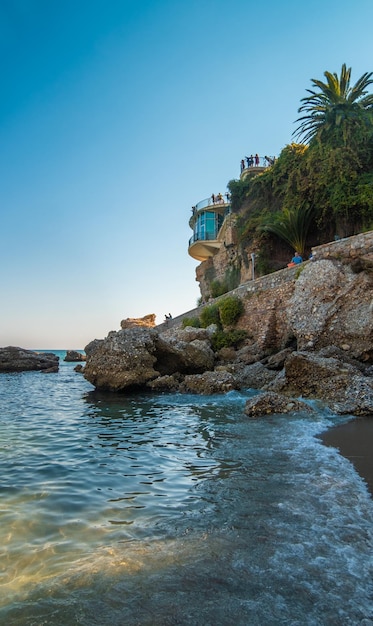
308, 332
327, 301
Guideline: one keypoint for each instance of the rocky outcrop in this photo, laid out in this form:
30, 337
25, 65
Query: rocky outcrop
148, 321
14, 359
124, 359
342, 385
72, 356
309, 333
269, 402
136, 356
331, 304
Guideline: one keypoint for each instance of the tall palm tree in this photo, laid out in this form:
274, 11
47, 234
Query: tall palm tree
336, 105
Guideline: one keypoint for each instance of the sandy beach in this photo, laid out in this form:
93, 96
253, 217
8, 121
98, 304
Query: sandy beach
355, 441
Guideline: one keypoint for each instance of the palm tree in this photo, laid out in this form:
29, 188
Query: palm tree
291, 225
336, 105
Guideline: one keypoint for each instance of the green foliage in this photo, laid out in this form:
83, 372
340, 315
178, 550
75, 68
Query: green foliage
291, 225
190, 321
230, 309
227, 339
231, 281
335, 107
218, 288
210, 315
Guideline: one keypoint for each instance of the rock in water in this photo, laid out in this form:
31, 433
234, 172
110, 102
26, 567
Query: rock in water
13, 359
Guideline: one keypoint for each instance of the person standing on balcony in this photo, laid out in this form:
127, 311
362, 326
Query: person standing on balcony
257, 159
242, 165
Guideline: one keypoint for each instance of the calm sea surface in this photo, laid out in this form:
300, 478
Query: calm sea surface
174, 509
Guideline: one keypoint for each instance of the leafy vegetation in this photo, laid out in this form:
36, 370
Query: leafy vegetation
230, 309
210, 315
317, 190
228, 339
190, 321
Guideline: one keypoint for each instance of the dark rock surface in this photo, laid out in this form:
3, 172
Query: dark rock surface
14, 359
73, 356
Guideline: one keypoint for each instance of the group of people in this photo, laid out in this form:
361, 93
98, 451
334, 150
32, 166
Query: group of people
254, 161
251, 161
218, 199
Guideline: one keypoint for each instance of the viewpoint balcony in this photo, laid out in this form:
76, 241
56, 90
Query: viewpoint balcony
207, 222
252, 168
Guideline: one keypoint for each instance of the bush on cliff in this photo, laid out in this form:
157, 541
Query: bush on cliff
210, 315
230, 309
227, 339
191, 321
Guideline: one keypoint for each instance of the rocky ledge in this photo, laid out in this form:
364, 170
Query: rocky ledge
13, 359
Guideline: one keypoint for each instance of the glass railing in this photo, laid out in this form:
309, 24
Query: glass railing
212, 201
210, 236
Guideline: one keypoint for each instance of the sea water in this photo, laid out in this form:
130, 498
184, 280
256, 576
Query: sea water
174, 509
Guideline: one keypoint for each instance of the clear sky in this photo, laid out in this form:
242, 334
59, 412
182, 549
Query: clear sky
116, 116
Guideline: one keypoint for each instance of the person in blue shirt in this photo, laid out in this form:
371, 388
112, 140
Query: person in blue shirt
297, 258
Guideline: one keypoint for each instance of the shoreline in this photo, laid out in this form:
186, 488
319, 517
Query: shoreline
354, 441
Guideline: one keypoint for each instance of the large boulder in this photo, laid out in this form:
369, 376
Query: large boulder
333, 304
123, 359
148, 321
14, 359
73, 356
209, 383
135, 356
340, 384
269, 402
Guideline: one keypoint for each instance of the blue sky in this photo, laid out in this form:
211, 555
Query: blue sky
116, 117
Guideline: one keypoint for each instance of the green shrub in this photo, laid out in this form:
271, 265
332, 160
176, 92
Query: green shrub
190, 321
210, 315
217, 288
230, 309
227, 339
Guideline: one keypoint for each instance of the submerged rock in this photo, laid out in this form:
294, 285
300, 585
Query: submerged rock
270, 402
14, 359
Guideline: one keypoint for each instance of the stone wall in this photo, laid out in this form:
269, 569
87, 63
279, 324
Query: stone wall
266, 298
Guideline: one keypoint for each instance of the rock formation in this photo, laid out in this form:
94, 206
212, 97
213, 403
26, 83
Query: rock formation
309, 333
14, 359
148, 321
72, 356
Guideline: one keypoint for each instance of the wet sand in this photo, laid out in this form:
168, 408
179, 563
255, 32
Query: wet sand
354, 441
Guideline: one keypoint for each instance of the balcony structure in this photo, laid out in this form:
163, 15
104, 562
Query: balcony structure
249, 170
208, 223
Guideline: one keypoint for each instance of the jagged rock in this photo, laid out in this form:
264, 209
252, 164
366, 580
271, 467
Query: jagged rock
253, 376
276, 361
72, 356
165, 383
269, 402
148, 321
329, 379
124, 359
331, 301
14, 359
209, 383
186, 357
79, 368
135, 356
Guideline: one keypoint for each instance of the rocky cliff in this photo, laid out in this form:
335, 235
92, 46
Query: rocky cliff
308, 332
